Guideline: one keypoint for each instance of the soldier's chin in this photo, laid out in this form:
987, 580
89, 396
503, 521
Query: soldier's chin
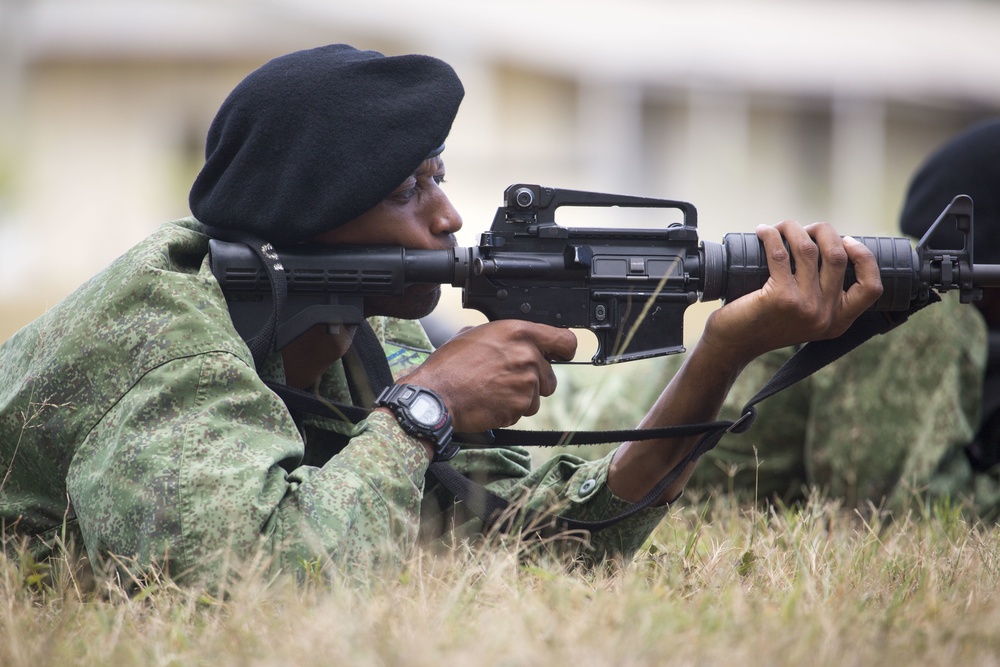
417, 302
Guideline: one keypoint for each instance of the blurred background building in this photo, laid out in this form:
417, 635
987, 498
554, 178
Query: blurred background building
754, 110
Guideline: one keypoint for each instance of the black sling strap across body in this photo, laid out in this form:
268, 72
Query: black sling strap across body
500, 514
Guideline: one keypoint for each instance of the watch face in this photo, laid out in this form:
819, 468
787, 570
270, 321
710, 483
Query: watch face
426, 410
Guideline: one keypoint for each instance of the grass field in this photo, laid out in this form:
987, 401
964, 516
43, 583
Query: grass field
718, 583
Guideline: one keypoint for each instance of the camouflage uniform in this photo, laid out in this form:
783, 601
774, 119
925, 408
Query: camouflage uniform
132, 413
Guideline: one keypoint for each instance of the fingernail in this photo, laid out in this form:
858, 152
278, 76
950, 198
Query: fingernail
851, 239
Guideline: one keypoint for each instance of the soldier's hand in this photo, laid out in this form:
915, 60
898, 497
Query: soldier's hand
791, 308
492, 375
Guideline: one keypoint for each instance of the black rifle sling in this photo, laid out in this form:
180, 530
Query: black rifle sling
498, 513
262, 344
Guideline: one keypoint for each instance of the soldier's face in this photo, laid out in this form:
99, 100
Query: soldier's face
417, 214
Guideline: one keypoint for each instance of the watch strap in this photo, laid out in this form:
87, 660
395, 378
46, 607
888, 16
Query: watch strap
400, 398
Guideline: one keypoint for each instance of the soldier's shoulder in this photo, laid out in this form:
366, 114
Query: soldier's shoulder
408, 333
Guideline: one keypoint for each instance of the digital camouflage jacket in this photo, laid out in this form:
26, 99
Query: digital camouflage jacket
131, 413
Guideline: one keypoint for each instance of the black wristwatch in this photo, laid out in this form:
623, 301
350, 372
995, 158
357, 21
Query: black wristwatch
421, 413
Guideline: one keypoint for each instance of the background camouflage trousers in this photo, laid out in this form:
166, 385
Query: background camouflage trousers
886, 423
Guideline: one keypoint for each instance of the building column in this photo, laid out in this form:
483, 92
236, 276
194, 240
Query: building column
610, 136
857, 165
712, 169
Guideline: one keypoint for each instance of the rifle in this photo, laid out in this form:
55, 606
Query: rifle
630, 287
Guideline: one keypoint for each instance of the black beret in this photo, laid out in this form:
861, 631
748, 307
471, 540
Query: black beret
315, 138
968, 164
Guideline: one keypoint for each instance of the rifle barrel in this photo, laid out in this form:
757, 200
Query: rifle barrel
986, 275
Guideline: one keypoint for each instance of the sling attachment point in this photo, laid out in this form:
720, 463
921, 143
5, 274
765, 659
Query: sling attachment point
743, 424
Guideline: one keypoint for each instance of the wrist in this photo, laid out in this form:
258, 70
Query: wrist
422, 414
724, 359
427, 445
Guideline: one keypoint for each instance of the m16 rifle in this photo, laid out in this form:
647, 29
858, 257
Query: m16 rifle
630, 287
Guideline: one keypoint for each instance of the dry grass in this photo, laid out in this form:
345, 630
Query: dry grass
717, 583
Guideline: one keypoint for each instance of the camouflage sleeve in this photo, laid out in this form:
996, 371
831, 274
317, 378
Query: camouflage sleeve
564, 484
578, 489
199, 461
